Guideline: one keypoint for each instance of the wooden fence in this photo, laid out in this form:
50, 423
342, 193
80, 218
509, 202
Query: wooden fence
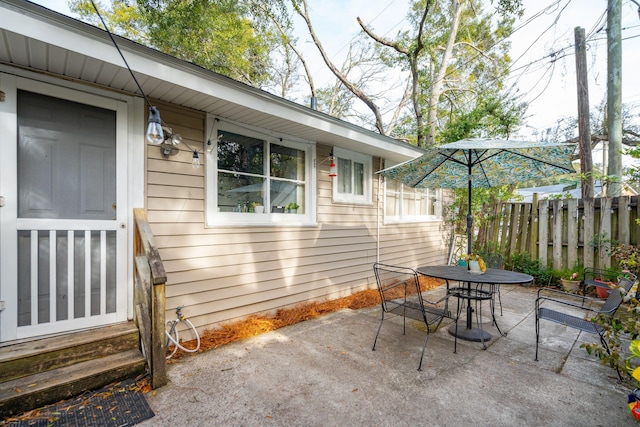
562, 233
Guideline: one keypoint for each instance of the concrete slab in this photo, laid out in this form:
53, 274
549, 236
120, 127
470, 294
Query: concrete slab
322, 372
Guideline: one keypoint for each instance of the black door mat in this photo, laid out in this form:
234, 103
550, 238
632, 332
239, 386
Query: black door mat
121, 404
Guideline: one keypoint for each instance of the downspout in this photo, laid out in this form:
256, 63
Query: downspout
380, 181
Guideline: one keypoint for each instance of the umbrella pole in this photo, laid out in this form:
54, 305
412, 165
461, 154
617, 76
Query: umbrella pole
469, 216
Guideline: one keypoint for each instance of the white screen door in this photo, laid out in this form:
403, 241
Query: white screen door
68, 243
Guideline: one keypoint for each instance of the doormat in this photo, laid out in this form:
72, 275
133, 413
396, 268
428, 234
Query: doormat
121, 404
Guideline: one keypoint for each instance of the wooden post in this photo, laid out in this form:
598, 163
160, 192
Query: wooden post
543, 232
604, 259
534, 227
505, 229
589, 218
158, 337
572, 232
584, 132
557, 235
624, 220
614, 95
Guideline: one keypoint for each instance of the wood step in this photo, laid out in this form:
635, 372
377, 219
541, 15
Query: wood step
40, 355
23, 394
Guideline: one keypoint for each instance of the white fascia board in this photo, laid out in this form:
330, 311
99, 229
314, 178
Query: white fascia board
90, 41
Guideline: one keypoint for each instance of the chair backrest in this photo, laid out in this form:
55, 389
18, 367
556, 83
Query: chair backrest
396, 283
615, 296
494, 261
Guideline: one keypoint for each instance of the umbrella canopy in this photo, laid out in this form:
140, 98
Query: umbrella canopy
483, 163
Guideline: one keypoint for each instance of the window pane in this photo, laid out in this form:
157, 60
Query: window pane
392, 205
407, 204
358, 178
236, 192
344, 176
239, 153
285, 195
287, 162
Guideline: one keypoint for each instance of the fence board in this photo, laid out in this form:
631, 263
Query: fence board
543, 231
562, 233
572, 232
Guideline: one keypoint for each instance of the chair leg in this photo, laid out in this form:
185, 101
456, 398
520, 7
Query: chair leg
537, 331
493, 313
455, 336
499, 298
377, 333
479, 323
423, 348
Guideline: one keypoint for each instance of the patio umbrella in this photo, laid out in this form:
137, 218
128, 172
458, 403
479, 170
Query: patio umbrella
483, 163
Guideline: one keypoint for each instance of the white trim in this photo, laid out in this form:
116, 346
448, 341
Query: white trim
155, 68
367, 161
8, 213
215, 218
9, 223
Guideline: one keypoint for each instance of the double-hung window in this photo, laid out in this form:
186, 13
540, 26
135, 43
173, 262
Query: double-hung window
406, 204
354, 181
254, 178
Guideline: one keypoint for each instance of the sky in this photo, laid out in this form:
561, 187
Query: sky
547, 82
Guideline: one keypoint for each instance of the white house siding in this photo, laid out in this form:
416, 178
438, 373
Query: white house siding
224, 273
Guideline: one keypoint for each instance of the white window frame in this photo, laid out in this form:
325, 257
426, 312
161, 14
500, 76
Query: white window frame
216, 218
408, 217
367, 162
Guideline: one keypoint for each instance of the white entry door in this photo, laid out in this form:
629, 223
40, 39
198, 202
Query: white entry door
64, 219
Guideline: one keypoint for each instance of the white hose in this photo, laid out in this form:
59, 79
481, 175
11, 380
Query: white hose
176, 340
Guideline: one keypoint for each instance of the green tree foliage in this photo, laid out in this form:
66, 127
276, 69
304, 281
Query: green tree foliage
230, 37
456, 51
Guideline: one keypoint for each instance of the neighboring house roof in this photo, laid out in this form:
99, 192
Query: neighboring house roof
544, 192
38, 39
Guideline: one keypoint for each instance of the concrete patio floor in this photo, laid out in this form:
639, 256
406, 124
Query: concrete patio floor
322, 372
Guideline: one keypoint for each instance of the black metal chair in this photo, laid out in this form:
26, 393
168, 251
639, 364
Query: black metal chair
494, 261
583, 323
400, 295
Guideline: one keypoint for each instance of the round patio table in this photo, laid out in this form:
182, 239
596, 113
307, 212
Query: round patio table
493, 276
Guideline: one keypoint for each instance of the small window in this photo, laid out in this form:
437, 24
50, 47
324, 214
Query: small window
354, 181
258, 179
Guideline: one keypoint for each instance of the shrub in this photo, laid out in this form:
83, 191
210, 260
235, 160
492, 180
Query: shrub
523, 263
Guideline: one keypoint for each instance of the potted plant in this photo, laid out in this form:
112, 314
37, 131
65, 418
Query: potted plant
476, 263
571, 279
257, 207
292, 207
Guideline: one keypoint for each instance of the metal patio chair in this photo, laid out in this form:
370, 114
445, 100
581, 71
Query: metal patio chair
494, 261
568, 300
400, 295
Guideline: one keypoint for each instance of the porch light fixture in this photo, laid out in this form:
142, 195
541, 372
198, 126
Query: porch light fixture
195, 160
155, 136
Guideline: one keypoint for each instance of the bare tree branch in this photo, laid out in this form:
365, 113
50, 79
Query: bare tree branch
438, 82
354, 89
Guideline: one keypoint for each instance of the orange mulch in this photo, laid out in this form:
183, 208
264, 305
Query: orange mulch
257, 324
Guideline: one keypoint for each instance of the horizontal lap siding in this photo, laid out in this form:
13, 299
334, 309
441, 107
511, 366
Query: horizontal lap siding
224, 273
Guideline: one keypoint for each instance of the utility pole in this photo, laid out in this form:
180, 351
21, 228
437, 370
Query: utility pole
614, 95
584, 131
